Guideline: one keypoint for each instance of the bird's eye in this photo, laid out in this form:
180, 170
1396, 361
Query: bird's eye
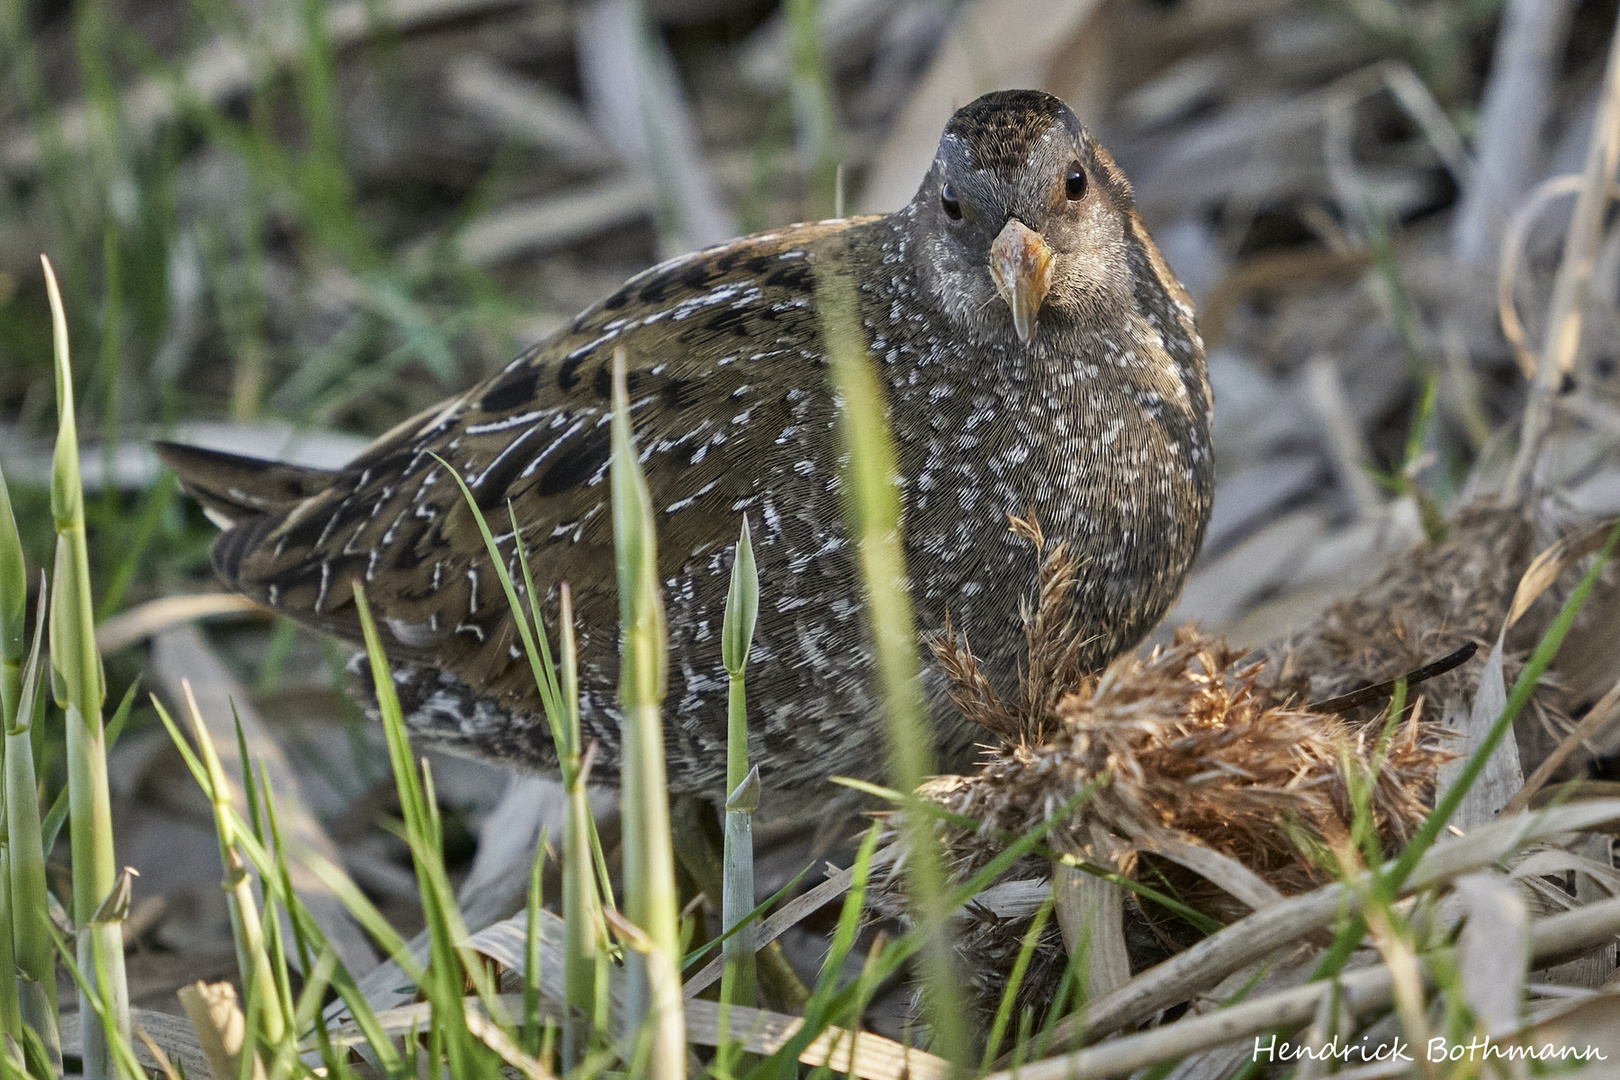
1074, 184
948, 200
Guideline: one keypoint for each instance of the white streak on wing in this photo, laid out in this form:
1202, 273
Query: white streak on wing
552, 447
508, 422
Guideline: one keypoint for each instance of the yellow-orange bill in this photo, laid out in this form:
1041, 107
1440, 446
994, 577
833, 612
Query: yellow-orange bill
1021, 266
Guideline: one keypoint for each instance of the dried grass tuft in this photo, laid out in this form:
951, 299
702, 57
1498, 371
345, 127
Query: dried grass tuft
1195, 742
1051, 645
1201, 742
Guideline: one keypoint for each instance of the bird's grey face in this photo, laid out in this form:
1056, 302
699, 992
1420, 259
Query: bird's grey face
1022, 220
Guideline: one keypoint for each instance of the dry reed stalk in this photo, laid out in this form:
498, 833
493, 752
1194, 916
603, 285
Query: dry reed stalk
1574, 279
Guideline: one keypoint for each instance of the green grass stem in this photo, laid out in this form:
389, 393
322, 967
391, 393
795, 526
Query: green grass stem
121, 1059
13, 609
80, 693
276, 878
247, 929
10, 1008
582, 904
584, 930
532, 953
815, 107
32, 949
451, 964
13, 618
1015, 981
739, 981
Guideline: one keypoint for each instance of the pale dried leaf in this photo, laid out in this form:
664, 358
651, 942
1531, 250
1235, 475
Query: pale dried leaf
526, 108
1209, 961
634, 95
1547, 862
1217, 591
1545, 568
1090, 912
1502, 777
498, 881
1493, 951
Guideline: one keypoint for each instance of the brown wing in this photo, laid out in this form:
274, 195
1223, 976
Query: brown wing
724, 354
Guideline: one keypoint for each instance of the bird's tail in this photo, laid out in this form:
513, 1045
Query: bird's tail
234, 489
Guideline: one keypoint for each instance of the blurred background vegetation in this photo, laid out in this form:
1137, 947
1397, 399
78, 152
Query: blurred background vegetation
282, 226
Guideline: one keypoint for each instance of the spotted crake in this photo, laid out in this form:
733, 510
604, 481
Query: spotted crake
1037, 355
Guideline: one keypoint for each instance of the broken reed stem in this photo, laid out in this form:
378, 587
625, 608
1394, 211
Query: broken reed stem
1574, 278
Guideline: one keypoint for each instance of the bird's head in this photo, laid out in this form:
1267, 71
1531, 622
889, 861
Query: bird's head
1021, 221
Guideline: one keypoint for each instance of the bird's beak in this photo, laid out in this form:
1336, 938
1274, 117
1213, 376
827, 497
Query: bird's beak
1021, 265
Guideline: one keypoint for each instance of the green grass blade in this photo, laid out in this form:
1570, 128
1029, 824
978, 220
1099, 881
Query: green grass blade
448, 967
120, 1053
753, 917
1540, 660
272, 873
1390, 880
872, 519
535, 645
653, 985
820, 1011
13, 609
582, 904
909, 944
1015, 981
275, 939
